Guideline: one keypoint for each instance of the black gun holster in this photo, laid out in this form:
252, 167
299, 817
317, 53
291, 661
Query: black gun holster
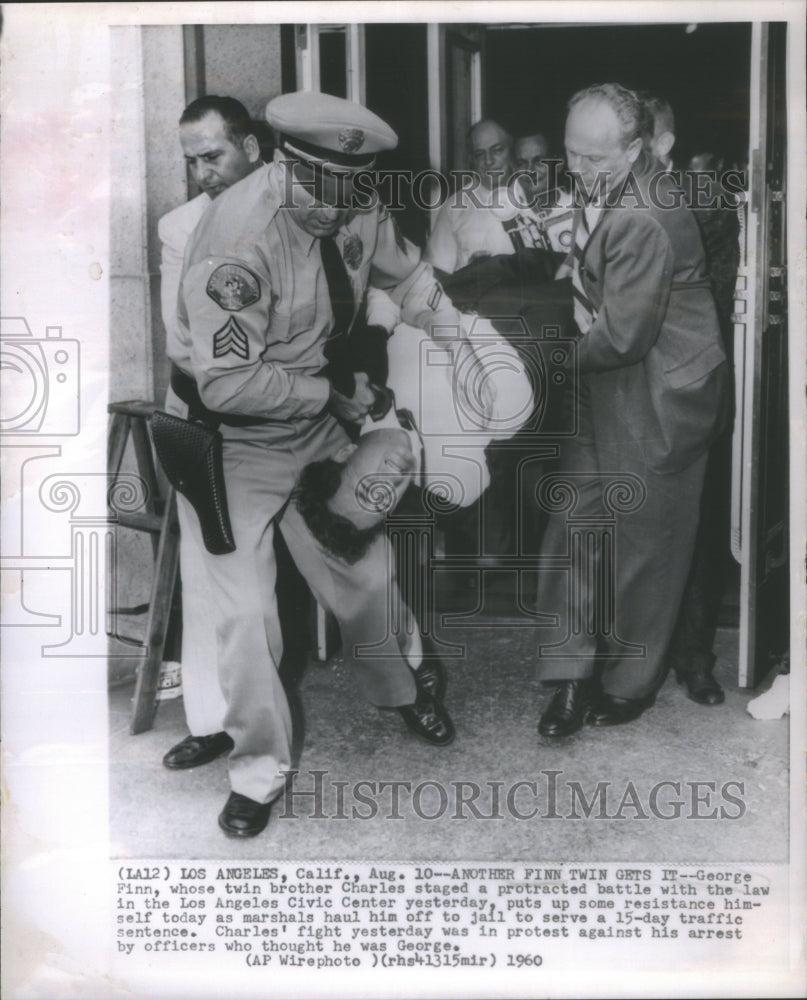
190, 452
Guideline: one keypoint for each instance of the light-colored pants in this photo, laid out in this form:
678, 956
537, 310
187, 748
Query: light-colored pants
261, 466
201, 692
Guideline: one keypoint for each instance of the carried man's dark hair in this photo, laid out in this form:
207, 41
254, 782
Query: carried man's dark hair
318, 482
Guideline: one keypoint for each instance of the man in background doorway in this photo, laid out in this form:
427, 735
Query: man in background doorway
532, 153
481, 218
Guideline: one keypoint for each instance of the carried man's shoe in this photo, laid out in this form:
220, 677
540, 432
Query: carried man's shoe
566, 712
607, 710
196, 750
428, 719
243, 817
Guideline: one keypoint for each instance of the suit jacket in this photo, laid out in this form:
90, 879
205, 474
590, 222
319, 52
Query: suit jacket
653, 359
174, 230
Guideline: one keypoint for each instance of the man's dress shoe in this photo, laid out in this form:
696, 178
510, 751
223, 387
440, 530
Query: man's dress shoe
243, 817
196, 750
606, 710
566, 711
702, 687
430, 678
428, 719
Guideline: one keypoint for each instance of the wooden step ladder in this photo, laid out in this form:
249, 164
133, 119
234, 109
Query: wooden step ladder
159, 518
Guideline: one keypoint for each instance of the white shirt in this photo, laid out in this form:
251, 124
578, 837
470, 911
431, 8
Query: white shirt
174, 230
480, 222
453, 430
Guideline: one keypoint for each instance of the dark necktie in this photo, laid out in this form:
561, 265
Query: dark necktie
340, 290
584, 311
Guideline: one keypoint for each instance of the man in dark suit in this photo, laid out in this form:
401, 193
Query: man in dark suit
690, 653
649, 400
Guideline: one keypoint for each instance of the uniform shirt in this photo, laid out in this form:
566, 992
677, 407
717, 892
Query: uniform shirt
255, 311
477, 221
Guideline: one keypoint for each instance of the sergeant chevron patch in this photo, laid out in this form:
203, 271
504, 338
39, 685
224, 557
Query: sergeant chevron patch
231, 339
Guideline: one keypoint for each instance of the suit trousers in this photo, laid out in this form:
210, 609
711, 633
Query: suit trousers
694, 635
261, 466
617, 549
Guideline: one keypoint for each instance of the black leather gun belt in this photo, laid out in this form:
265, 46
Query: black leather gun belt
185, 387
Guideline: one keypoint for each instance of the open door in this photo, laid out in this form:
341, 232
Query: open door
330, 58
760, 462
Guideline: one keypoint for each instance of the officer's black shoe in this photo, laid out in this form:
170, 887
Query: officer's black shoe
428, 719
566, 712
243, 817
196, 750
607, 710
430, 678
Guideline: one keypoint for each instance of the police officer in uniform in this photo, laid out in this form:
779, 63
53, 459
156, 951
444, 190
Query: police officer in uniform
273, 277
220, 148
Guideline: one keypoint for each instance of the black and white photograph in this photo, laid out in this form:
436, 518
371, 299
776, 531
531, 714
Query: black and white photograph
403, 453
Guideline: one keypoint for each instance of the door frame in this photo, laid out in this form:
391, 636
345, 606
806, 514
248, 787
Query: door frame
753, 318
436, 35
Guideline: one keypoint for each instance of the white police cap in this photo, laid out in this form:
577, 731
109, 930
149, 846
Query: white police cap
329, 133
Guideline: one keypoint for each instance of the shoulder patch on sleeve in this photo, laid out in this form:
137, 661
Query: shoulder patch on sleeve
231, 339
233, 287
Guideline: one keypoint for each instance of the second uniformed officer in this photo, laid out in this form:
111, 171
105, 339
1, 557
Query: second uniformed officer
273, 275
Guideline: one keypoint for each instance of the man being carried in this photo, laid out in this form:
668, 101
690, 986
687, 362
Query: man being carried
447, 406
